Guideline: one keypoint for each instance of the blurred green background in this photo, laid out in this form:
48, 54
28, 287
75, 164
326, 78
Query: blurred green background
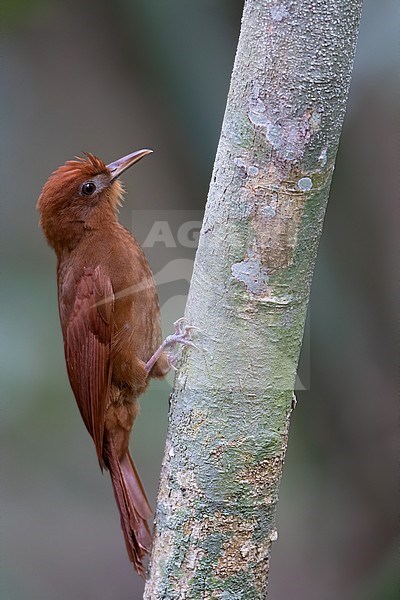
112, 77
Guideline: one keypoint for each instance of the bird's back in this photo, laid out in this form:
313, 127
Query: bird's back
136, 312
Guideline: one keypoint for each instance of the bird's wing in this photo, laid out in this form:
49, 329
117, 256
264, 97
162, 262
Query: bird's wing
87, 350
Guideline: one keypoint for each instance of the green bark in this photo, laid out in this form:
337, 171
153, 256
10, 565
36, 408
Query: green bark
231, 404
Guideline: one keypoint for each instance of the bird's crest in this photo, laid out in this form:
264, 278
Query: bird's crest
87, 166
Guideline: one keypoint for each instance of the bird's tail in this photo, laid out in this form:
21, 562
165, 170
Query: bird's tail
132, 503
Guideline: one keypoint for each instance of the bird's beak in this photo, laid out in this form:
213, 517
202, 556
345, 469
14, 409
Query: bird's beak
119, 166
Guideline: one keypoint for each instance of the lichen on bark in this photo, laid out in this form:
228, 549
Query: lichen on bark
230, 408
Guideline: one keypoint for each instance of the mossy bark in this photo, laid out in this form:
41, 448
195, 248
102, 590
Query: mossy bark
231, 404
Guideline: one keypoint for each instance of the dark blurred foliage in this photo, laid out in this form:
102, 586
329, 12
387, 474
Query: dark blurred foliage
111, 77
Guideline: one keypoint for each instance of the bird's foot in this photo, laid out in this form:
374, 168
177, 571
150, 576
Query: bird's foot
180, 336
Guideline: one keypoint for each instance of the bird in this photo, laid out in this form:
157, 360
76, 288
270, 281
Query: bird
110, 320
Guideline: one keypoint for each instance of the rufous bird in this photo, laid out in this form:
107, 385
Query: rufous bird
110, 321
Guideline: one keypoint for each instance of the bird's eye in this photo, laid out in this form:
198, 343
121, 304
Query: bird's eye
89, 188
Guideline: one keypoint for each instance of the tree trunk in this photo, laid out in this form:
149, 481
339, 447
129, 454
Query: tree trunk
230, 409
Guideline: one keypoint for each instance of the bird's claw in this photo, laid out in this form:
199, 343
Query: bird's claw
182, 329
181, 336
172, 360
182, 333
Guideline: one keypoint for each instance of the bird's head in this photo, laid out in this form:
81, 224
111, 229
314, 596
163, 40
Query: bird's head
80, 195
